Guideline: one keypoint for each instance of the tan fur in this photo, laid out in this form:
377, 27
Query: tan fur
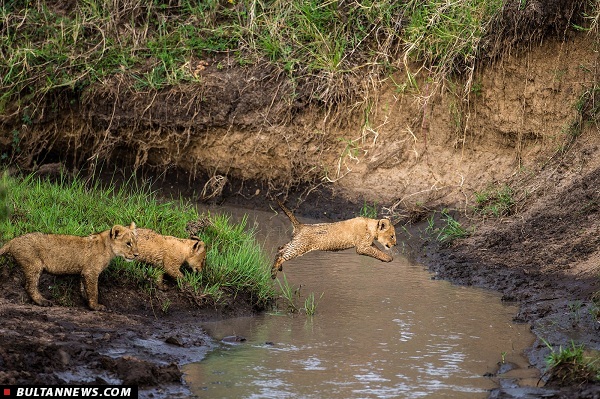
65, 254
359, 232
170, 253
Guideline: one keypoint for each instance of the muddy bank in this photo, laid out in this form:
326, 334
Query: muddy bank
61, 345
136, 341
408, 144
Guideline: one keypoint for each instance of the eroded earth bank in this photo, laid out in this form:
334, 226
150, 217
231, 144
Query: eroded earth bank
413, 149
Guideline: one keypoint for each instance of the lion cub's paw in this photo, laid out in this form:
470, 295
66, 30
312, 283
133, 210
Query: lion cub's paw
45, 302
273, 273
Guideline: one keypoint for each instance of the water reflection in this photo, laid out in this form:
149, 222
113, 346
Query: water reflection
381, 330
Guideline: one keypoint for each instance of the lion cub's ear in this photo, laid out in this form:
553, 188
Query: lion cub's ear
132, 226
198, 246
115, 231
383, 224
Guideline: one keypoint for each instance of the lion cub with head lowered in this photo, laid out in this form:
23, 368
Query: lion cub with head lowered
359, 232
66, 254
170, 253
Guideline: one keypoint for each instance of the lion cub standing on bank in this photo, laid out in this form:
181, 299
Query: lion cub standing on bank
359, 232
66, 254
170, 253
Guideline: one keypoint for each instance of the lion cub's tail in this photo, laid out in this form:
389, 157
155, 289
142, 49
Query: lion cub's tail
5, 248
289, 214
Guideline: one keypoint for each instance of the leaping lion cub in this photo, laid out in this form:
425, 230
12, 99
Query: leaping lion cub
170, 253
359, 232
66, 254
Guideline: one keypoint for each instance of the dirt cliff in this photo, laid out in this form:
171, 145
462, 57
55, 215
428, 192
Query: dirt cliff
412, 142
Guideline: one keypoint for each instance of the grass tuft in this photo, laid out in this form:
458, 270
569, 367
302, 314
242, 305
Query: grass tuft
495, 201
449, 231
236, 262
569, 366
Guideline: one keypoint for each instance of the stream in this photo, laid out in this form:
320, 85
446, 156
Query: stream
379, 330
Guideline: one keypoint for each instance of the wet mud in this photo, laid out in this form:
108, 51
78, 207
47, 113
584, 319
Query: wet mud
545, 259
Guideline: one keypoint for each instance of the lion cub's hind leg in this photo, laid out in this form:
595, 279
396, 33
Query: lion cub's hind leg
291, 250
33, 270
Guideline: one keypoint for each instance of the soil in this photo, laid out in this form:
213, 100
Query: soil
136, 341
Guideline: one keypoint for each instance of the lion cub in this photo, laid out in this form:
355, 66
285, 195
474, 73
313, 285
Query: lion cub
359, 232
170, 253
66, 254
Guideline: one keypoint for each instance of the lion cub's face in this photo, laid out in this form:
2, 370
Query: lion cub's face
386, 233
123, 241
197, 256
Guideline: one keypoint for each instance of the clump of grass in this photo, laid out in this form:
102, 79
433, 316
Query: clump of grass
447, 35
369, 211
310, 304
449, 231
288, 293
51, 51
569, 366
236, 263
495, 201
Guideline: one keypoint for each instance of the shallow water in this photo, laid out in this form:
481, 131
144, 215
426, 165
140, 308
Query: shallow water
380, 330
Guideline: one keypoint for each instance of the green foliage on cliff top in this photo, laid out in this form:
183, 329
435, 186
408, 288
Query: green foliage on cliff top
48, 46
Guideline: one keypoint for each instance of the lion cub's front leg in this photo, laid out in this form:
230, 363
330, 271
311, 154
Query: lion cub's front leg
90, 283
374, 252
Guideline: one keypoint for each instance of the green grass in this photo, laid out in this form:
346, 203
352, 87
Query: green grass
310, 304
236, 263
571, 366
450, 230
288, 294
369, 211
446, 35
495, 201
49, 50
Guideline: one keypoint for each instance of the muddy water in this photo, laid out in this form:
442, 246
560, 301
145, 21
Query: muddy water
379, 330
